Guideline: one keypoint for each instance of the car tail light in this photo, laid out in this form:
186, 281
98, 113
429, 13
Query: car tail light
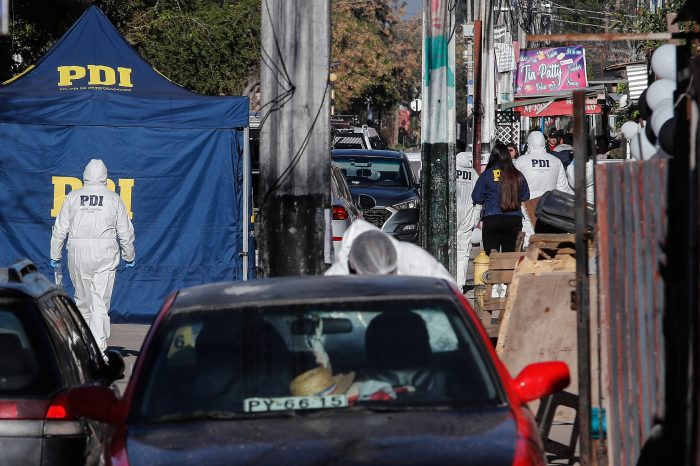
56, 409
339, 213
59, 408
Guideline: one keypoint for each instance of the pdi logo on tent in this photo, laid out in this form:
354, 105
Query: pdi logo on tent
60, 183
97, 75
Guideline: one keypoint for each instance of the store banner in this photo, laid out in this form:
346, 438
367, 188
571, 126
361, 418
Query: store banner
557, 108
547, 71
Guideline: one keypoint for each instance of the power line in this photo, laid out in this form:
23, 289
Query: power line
576, 22
592, 11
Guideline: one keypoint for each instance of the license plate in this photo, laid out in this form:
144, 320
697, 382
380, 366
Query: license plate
261, 405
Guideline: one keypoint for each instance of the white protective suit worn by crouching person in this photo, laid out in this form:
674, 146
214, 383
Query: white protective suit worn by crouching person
467, 213
366, 250
96, 223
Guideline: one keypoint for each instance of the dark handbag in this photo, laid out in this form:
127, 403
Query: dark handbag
557, 209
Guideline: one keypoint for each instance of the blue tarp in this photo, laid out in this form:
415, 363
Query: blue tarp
174, 156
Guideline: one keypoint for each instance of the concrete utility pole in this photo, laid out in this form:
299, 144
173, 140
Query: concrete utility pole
294, 196
438, 124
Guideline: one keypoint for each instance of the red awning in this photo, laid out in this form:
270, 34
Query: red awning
557, 108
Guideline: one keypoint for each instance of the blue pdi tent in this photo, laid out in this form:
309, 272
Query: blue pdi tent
175, 157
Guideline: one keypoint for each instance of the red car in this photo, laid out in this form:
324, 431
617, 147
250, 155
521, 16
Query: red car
321, 370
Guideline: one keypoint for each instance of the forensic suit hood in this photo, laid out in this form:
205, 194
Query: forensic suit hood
95, 173
410, 259
96, 225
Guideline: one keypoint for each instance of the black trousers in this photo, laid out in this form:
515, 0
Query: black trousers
501, 232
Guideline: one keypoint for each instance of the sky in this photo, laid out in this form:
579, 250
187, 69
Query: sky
413, 7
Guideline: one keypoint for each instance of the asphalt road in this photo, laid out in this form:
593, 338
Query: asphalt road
127, 338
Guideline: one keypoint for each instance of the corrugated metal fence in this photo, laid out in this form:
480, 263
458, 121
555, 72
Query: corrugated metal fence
632, 225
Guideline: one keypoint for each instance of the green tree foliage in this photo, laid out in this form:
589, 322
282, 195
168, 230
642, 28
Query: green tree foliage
211, 47
377, 55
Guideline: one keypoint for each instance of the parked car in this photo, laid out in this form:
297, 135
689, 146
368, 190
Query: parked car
45, 349
229, 374
383, 185
344, 210
357, 137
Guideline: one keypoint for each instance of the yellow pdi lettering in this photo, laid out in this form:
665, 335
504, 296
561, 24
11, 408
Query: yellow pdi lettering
60, 191
60, 183
68, 74
98, 75
496, 175
101, 75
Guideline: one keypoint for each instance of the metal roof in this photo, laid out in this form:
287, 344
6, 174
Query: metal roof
308, 289
638, 78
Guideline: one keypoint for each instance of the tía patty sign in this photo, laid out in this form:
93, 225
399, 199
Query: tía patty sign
544, 71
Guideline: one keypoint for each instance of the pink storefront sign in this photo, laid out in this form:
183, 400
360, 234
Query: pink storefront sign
547, 71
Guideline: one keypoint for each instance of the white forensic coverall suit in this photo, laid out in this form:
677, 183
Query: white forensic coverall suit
411, 259
96, 223
467, 213
543, 172
590, 180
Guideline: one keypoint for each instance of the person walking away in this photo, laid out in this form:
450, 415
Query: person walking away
564, 152
96, 224
543, 172
501, 189
467, 213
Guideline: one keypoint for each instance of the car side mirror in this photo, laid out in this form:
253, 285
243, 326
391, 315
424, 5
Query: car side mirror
538, 380
365, 202
96, 402
115, 365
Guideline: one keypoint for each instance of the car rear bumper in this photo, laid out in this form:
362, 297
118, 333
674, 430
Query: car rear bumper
35, 442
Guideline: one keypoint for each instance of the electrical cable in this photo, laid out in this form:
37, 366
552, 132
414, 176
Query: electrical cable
592, 11
300, 152
575, 22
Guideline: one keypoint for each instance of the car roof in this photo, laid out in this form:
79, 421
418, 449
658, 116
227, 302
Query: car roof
368, 153
24, 279
307, 289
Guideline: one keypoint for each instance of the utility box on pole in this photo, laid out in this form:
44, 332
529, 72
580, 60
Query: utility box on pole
438, 216
294, 196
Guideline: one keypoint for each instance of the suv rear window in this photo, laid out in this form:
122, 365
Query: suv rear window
27, 365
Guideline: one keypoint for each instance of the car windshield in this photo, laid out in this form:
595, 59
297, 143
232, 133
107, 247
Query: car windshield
373, 171
331, 357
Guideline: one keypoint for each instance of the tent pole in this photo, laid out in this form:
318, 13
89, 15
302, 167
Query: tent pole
246, 194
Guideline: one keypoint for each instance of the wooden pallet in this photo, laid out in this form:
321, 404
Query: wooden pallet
500, 272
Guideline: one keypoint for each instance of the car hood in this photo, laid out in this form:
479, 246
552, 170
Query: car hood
416, 437
385, 195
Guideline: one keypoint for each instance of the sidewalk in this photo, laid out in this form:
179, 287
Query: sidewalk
127, 339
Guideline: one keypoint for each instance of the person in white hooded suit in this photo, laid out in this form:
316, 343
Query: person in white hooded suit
543, 172
96, 224
467, 213
380, 257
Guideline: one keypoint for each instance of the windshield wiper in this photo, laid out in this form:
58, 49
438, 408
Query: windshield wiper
217, 415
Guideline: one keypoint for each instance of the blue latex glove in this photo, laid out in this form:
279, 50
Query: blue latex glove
130, 264
55, 264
